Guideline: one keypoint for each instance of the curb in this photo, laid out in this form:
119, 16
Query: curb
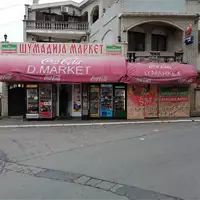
98, 124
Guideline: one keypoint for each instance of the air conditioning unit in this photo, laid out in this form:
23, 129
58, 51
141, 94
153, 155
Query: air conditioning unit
64, 9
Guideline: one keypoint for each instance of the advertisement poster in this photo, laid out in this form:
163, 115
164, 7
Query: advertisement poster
174, 102
77, 98
142, 102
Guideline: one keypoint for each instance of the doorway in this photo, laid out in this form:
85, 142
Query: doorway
65, 101
16, 100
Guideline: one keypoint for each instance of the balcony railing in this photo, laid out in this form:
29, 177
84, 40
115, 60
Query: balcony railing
55, 25
155, 57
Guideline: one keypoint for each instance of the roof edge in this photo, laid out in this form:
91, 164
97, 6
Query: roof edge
135, 14
57, 4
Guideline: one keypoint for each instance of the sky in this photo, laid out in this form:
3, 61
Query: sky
11, 16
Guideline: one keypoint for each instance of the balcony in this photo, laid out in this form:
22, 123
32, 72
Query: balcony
55, 25
154, 56
57, 29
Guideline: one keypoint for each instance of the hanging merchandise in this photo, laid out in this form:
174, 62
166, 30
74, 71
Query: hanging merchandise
77, 98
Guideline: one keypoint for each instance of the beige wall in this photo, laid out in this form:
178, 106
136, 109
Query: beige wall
190, 51
174, 36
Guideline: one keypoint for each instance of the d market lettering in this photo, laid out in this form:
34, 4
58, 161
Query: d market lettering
63, 66
48, 70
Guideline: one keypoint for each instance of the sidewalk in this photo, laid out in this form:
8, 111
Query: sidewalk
20, 123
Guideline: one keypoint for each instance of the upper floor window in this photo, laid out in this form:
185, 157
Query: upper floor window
158, 42
85, 17
136, 41
95, 14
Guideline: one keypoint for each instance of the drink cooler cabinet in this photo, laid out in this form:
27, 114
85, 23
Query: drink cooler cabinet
120, 101
107, 101
41, 101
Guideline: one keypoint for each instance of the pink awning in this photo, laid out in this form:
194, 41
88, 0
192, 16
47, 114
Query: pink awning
62, 69
161, 73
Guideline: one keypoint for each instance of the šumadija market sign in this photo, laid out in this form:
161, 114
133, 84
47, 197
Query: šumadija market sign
59, 49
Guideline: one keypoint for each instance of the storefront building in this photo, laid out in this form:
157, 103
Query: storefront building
45, 81
90, 81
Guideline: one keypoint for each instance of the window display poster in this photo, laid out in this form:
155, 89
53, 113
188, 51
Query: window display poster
174, 102
142, 102
77, 98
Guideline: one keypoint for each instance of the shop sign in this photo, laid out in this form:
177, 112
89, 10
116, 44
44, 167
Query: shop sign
8, 48
142, 97
113, 49
32, 86
188, 30
161, 70
61, 48
6, 77
157, 73
99, 79
173, 94
189, 39
59, 67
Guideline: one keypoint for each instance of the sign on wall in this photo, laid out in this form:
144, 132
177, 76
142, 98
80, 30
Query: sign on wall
60, 49
113, 49
8, 48
189, 39
174, 102
142, 102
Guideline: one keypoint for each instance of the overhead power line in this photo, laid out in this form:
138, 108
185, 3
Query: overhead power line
14, 5
11, 6
11, 22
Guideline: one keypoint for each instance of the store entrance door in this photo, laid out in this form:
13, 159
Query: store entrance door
16, 100
65, 101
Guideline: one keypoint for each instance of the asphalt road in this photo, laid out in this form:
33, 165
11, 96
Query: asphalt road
152, 161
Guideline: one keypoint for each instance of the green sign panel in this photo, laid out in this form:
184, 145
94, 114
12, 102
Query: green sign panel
114, 49
8, 48
174, 91
174, 94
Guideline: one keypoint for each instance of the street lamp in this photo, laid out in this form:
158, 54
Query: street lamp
5, 37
